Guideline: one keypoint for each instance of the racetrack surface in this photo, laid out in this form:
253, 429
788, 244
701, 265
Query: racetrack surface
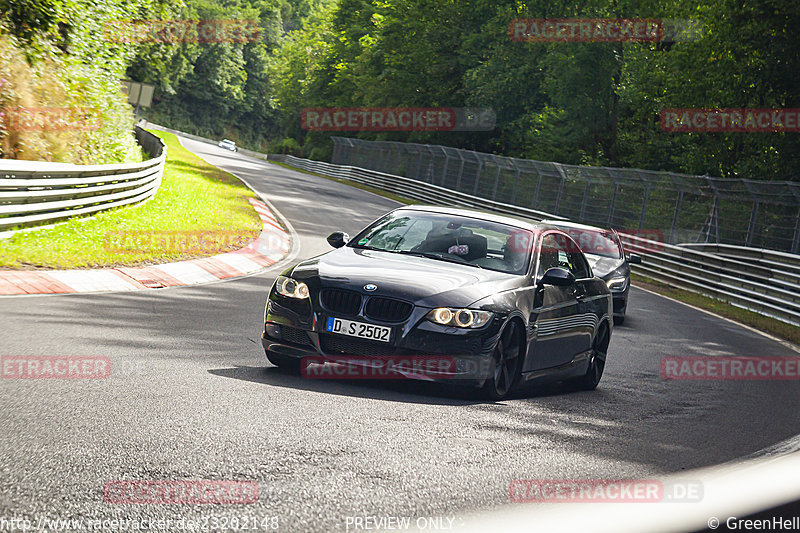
191, 396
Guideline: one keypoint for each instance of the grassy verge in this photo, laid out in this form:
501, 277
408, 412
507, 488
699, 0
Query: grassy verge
743, 316
351, 183
199, 210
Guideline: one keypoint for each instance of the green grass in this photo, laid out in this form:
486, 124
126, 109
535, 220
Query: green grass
195, 200
743, 316
379, 192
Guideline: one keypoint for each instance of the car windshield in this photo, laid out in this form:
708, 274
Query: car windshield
602, 243
452, 238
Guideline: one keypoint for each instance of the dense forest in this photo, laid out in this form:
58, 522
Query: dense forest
594, 103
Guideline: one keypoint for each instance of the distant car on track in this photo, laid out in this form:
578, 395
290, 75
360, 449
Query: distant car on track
228, 145
432, 281
603, 249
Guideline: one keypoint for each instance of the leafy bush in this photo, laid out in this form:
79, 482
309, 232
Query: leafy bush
287, 146
54, 107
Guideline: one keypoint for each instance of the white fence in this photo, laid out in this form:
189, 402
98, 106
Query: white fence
34, 193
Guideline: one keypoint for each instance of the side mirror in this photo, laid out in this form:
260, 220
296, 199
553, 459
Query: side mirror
338, 239
634, 259
559, 277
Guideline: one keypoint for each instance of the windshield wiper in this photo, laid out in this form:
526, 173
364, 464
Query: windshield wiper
365, 247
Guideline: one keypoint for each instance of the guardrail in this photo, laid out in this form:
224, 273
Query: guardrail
759, 288
739, 283
410, 188
779, 262
34, 193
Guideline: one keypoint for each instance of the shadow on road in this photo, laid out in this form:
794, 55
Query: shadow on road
405, 391
399, 390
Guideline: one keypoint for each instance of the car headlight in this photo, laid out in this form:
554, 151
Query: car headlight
291, 288
460, 318
617, 283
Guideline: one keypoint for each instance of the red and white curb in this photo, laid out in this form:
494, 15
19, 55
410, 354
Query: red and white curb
269, 248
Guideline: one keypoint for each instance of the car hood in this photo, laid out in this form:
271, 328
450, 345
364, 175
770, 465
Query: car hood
603, 266
426, 282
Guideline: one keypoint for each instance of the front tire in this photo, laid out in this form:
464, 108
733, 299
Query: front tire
291, 364
597, 361
507, 359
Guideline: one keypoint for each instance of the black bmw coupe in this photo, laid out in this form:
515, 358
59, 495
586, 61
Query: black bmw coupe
509, 301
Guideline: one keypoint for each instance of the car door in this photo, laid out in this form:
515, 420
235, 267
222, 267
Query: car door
586, 319
557, 316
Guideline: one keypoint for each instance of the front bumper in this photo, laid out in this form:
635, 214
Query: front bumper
620, 301
300, 335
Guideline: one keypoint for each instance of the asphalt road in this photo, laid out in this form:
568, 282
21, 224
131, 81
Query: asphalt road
191, 396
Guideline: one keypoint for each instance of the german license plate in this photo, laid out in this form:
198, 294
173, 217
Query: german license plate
358, 329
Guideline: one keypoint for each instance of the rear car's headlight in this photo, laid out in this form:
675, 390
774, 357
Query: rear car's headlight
291, 288
460, 318
617, 283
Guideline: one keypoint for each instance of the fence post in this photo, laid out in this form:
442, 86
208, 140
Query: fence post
582, 216
444, 168
613, 202
796, 241
460, 171
379, 163
560, 186
644, 204
751, 228
431, 172
477, 177
678, 203
397, 154
419, 164
536, 192
496, 179
516, 182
